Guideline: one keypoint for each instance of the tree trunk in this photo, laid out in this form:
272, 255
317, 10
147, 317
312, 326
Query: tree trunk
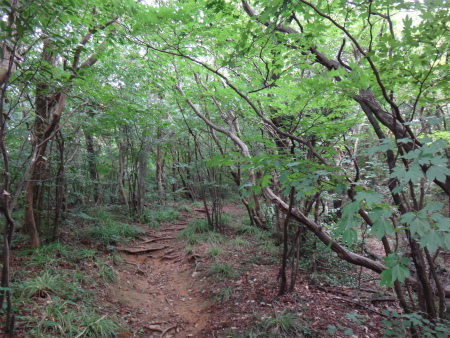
159, 172
121, 173
91, 158
142, 170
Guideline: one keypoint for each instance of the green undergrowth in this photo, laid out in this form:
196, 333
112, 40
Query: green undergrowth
224, 294
185, 208
198, 231
221, 270
197, 204
103, 227
250, 237
153, 218
56, 292
280, 324
324, 267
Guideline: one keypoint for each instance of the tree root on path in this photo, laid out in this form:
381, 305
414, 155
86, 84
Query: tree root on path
169, 257
167, 330
141, 250
155, 240
158, 328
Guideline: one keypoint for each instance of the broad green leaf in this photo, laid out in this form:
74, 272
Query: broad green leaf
370, 197
432, 239
437, 173
381, 227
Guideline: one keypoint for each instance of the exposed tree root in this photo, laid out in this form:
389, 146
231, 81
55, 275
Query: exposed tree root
142, 250
156, 240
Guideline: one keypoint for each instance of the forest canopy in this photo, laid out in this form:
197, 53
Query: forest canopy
326, 118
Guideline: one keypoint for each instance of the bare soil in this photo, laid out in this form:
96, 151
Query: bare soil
157, 288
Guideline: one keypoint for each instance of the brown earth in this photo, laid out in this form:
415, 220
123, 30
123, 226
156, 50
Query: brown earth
158, 288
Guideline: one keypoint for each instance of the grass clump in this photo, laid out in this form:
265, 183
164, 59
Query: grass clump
284, 323
240, 242
185, 208
198, 226
68, 319
107, 273
196, 232
270, 248
50, 254
60, 296
166, 215
215, 251
193, 232
106, 229
154, 218
222, 270
197, 204
227, 218
248, 230
214, 238
112, 232
224, 294
41, 286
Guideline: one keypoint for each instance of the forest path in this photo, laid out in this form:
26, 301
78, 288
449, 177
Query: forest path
157, 293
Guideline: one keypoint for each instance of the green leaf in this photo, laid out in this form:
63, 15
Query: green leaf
349, 236
433, 207
396, 270
370, 197
400, 272
382, 227
437, 173
432, 239
413, 174
419, 226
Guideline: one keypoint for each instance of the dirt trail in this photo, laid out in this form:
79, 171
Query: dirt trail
157, 291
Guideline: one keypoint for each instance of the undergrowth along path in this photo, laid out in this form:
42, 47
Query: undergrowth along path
156, 292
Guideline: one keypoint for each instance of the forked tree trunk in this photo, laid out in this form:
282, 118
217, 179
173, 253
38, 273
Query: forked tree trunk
37, 168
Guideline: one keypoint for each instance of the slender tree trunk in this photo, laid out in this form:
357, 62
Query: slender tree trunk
59, 188
121, 173
142, 169
91, 158
283, 284
159, 167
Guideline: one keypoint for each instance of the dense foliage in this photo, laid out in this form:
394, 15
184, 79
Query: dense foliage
325, 116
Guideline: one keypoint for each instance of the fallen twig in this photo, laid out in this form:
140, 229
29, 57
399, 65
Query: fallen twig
324, 289
167, 300
360, 305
